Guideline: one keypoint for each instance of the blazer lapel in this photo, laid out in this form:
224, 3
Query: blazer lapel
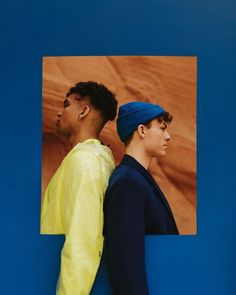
130, 161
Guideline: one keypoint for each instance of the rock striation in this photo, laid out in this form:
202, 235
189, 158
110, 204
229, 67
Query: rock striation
168, 81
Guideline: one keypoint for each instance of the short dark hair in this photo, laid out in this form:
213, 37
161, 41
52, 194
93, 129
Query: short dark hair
100, 97
164, 117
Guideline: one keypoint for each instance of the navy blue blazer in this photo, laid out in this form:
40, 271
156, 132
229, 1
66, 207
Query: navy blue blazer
134, 206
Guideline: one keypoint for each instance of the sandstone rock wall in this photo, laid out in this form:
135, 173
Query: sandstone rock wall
168, 81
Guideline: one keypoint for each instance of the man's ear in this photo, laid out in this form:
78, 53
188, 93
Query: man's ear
84, 112
141, 130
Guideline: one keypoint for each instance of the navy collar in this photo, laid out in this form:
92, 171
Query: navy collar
130, 161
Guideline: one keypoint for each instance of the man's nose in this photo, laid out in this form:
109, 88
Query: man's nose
59, 114
167, 135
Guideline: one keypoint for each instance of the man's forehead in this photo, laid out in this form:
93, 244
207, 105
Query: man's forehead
73, 96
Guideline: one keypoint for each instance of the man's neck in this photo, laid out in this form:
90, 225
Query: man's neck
82, 136
139, 155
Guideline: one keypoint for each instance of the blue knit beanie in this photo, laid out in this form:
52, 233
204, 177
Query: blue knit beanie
133, 114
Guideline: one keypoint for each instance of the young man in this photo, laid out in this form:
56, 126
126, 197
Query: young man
73, 201
134, 203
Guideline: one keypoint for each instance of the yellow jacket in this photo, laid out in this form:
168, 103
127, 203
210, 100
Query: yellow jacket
73, 205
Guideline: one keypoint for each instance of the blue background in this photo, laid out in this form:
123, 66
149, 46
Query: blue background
202, 264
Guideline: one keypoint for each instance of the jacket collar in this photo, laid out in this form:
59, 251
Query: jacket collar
130, 161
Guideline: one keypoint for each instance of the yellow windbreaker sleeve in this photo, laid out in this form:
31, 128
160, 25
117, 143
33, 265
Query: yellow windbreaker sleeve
83, 222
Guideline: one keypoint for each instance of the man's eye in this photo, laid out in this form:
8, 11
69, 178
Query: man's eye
66, 103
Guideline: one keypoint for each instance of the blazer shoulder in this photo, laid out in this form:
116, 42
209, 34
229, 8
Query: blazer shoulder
126, 175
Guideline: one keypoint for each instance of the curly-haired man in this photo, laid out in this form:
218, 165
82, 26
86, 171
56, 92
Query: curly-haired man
73, 201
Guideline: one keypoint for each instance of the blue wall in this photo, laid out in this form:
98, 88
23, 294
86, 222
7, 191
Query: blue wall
202, 264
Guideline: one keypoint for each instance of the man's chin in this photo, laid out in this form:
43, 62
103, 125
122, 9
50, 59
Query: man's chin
63, 133
161, 154
58, 131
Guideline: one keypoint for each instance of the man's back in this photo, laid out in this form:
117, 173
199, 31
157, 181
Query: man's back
134, 206
73, 205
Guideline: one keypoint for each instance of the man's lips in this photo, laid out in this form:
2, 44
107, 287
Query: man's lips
58, 123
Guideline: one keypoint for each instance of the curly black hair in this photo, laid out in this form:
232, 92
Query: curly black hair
100, 97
